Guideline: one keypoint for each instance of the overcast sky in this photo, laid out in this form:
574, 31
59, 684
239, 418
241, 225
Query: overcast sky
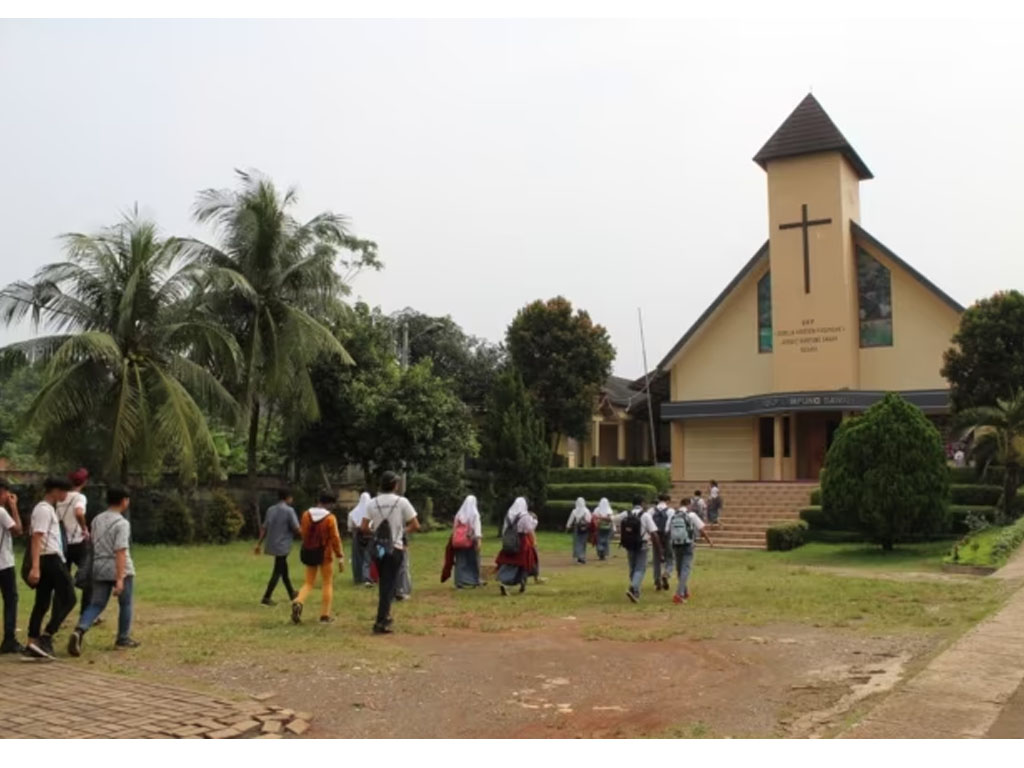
499, 162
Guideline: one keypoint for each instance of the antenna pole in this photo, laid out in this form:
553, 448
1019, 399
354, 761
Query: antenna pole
647, 386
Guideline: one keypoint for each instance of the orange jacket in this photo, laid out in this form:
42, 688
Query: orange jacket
333, 538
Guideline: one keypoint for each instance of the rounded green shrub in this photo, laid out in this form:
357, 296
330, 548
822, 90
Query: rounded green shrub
223, 518
177, 526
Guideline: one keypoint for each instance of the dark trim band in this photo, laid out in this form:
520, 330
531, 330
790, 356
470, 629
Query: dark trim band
928, 400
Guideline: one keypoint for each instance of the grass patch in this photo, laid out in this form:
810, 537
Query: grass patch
198, 607
979, 549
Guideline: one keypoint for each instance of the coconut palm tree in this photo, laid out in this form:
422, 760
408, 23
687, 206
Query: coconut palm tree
999, 436
130, 349
275, 285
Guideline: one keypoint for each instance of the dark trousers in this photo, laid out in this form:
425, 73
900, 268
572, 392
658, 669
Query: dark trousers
77, 554
388, 568
54, 585
280, 572
9, 590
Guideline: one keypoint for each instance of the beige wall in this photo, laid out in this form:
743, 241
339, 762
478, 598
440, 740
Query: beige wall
718, 448
922, 329
722, 360
828, 186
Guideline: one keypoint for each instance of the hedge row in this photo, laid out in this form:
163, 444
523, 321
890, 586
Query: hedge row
656, 476
974, 475
554, 514
818, 522
984, 495
785, 536
623, 492
1008, 541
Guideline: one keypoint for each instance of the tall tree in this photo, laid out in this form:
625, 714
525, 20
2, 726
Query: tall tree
471, 364
275, 285
986, 361
564, 359
886, 475
130, 352
513, 444
999, 436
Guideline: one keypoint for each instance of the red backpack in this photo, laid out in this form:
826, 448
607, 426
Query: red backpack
462, 538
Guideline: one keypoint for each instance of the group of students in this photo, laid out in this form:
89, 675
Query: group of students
380, 528
60, 537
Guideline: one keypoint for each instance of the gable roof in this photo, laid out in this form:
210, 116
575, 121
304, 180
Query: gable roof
859, 232
762, 253
807, 130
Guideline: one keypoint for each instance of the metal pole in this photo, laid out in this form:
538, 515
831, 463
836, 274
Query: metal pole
647, 386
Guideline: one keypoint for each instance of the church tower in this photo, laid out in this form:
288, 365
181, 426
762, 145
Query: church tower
813, 196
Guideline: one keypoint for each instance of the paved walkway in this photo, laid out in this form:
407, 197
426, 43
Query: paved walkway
965, 689
57, 699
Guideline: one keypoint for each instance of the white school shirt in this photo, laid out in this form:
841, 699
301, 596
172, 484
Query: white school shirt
714, 492
647, 525
6, 539
44, 521
396, 510
66, 513
578, 516
525, 523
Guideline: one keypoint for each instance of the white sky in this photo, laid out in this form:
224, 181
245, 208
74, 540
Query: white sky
498, 162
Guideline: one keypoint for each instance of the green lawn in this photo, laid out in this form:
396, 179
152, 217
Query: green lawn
199, 605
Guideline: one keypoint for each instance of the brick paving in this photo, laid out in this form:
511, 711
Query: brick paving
40, 699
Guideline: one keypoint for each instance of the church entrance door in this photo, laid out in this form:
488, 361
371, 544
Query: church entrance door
814, 435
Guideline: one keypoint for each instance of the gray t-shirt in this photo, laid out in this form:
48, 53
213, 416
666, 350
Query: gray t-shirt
281, 525
110, 532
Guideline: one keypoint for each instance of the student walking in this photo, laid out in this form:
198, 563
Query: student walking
714, 503
280, 527
683, 528
517, 560
698, 506
113, 573
362, 557
320, 540
10, 526
579, 524
635, 528
48, 572
467, 534
603, 518
390, 517
71, 512
663, 559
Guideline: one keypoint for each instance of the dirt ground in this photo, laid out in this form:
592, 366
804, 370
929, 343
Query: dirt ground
550, 682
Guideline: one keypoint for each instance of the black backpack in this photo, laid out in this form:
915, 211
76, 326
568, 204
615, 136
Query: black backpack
660, 520
383, 541
510, 538
632, 537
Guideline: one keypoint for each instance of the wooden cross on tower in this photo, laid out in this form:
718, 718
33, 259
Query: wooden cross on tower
804, 224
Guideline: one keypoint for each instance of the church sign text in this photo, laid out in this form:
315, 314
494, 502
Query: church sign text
809, 336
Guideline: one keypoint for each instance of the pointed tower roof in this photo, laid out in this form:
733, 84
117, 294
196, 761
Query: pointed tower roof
807, 130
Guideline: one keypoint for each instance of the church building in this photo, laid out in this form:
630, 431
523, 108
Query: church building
819, 324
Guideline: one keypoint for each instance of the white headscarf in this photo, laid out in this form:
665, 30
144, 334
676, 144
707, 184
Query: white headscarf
355, 517
604, 509
580, 513
516, 511
468, 514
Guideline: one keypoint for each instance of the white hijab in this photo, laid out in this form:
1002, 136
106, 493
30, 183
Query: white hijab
516, 511
468, 514
355, 517
604, 509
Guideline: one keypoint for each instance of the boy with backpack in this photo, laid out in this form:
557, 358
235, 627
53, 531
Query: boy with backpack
390, 517
663, 561
714, 504
683, 528
635, 529
10, 526
47, 572
699, 507
320, 539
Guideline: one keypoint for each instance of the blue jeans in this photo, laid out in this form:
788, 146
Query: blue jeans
603, 540
579, 545
101, 592
637, 568
663, 564
684, 564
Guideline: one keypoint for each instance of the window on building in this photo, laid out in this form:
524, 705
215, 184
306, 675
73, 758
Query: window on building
764, 313
874, 295
767, 426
